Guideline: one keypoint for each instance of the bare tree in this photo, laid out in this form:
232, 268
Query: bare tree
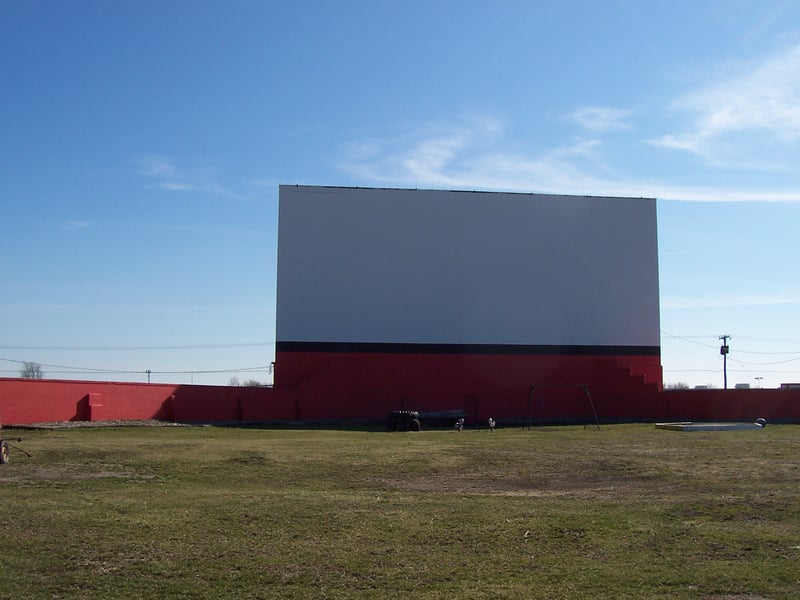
31, 370
234, 381
252, 383
677, 386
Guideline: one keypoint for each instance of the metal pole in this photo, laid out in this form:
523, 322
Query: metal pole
530, 407
724, 349
725, 371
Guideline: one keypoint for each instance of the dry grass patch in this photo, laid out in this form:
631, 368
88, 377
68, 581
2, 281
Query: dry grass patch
626, 512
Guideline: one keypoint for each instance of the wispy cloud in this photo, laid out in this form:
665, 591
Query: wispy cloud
721, 301
157, 166
434, 155
78, 225
477, 154
760, 100
473, 153
158, 226
162, 173
136, 308
601, 119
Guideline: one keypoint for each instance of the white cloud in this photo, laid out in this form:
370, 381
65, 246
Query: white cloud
157, 166
429, 157
761, 101
467, 155
163, 174
712, 193
722, 301
475, 154
77, 224
176, 186
601, 119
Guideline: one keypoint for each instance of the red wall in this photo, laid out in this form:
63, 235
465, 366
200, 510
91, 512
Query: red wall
368, 384
732, 405
35, 401
25, 401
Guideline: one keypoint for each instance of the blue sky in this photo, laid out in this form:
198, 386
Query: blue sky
143, 144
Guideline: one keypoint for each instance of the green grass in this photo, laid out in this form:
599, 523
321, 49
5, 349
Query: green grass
558, 512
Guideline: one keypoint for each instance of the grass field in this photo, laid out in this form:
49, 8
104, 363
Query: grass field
557, 512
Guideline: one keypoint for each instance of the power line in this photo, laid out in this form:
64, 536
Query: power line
690, 340
687, 339
777, 362
76, 369
64, 369
717, 371
107, 348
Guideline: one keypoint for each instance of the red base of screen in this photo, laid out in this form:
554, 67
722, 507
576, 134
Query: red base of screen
353, 385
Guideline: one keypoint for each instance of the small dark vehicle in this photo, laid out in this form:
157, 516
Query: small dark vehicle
409, 420
403, 420
442, 418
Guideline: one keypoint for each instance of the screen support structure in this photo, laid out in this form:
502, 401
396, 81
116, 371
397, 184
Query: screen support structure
583, 386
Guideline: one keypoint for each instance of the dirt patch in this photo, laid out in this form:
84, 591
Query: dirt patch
34, 474
736, 597
91, 424
545, 488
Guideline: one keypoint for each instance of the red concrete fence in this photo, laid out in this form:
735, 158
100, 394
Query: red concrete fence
776, 406
24, 401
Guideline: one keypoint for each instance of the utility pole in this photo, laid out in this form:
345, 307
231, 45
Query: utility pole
723, 350
148, 375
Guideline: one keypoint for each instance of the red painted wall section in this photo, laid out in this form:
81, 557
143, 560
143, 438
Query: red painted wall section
733, 405
24, 401
341, 391
367, 385
193, 403
36, 401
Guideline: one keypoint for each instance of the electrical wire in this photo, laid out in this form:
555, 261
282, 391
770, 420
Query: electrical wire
67, 369
717, 371
738, 350
64, 369
686, 339
108, 348
777, 362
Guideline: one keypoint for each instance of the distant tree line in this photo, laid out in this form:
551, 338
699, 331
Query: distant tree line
234, 382
31, 370
676, 386
685, 386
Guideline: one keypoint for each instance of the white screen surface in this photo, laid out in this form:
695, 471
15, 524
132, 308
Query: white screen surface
447, 267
